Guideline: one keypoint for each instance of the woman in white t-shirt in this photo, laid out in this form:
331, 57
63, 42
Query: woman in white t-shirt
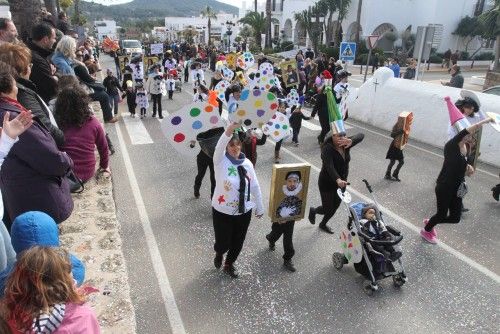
231, 204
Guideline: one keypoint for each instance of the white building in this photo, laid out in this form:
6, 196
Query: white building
219, 27
5, 9
106, 28
159, 33
380, 16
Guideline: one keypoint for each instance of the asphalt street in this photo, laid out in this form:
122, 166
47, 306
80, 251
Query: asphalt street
452, 287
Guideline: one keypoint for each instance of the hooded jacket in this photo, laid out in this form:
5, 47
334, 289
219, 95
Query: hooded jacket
36, 228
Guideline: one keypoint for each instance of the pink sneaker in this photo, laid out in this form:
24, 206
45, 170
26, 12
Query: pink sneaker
428, 236
433, 231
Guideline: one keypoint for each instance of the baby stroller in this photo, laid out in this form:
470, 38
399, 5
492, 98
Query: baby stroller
357, 247
178, 82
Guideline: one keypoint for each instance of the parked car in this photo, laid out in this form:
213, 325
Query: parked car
130, 47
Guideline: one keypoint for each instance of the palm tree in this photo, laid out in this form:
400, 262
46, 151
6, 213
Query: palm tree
268, 43
209, 14
305, 20
358, 19
255, 6
343, 7
24, 14
258, 23
491, 27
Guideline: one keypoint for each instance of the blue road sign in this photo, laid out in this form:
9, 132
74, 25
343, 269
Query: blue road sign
347, 51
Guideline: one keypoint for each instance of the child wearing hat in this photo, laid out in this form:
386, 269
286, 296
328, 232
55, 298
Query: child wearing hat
290, 206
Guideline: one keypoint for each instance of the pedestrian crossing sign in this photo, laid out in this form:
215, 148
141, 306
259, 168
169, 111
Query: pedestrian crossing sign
347, 51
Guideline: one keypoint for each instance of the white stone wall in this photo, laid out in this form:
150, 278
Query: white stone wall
108, 30
382, 98
177, 24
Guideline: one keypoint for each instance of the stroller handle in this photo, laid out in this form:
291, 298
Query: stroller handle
396, 241
368, 186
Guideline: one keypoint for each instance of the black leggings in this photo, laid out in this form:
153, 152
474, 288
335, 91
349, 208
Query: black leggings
446, 200
325, 127
278, 145
285, 229
203, 162
330, 202
398, 167
230, 233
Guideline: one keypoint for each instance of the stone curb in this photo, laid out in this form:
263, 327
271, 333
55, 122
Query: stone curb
92, 233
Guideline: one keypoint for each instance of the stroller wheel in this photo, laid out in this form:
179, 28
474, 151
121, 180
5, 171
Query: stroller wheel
369, 288
338, 260
398, 280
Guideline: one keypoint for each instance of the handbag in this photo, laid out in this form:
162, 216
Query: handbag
462, 190
76, 185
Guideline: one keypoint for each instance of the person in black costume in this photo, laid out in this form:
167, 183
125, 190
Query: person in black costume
336, 156
394, 154
321, 109
449, 185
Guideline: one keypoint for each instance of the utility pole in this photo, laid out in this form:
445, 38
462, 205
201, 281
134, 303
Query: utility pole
358, 21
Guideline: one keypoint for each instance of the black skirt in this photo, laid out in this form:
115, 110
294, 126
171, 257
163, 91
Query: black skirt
394, 153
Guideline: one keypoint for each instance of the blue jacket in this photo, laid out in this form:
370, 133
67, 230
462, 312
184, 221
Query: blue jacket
63, 64
36, 228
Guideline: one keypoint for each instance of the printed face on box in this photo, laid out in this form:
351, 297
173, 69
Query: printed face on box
291, 205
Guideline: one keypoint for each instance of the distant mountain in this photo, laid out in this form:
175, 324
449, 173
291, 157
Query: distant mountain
151, 9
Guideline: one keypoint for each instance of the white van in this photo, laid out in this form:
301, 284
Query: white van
130, 47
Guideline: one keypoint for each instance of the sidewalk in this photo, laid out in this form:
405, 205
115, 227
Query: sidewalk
92, 233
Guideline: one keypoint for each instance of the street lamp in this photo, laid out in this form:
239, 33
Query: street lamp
229, 26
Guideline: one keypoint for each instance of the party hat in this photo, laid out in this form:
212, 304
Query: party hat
334, 115
457, 119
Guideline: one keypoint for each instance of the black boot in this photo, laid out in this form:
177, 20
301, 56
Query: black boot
196, 192
312, 215
388, 175
231, 270
271, 243
110, 145
496, 192
396, 177
288, 264
325, 228
218, 260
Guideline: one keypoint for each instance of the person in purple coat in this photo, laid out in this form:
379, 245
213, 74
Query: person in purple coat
32, 177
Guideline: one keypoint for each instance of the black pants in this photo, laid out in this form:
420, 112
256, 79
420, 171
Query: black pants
446, 200
330, 202
278, 146
186, 75
103, 98
170, 94
398, 167
230, 232
285, 229
325, 127
203, 162
156, 104
143, 111
131, 106
295, 137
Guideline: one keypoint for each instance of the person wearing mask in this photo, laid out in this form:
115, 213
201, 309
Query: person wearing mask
456, 80
41, 297
8, 31
42, 75
19, 58
232, 206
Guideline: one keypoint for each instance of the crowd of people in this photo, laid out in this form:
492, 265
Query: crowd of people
47, 149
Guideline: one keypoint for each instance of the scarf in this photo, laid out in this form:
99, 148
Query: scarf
49, 323
13, 102
242, 172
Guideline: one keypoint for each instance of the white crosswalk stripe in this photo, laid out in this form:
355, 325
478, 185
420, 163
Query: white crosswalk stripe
137, 132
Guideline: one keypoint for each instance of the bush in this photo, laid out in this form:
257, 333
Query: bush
330, 51
485, 56
464, 56
287, 46
268, 51
254, 49
435, 59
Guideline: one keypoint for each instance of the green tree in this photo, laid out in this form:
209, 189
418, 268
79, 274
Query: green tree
309, 20
189, 34
65, 4
209, 14
25, 14
491, 29
468, 28
257, 22
246, 32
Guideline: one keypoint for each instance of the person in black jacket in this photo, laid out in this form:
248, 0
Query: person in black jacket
19, 58
336, 156
394, 154
99, 91
321, 109
296, 123
113, 89
449, 185
42, 75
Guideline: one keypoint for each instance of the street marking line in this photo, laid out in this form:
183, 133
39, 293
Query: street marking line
167, 294
482, 269
419, 148
138, 133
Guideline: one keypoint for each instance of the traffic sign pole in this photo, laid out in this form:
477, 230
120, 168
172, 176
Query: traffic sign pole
367, 64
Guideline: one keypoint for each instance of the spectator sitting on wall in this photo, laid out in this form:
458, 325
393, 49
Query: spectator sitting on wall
457, 80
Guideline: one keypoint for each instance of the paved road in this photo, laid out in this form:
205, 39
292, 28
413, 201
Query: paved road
168, 240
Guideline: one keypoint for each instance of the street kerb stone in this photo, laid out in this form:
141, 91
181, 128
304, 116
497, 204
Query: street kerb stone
92, 233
